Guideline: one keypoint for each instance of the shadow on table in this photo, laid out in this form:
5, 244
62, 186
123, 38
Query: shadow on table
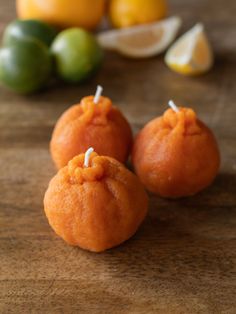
182, 256
182, 240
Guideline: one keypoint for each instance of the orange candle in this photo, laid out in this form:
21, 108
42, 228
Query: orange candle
95, 202
94, 122
176, 155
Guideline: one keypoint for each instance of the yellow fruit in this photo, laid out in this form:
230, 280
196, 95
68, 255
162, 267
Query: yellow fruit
141, 41
191, 54
125, 13
63, 13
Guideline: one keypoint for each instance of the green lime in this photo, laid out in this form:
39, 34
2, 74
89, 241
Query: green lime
21, 29
77, 54
25, 66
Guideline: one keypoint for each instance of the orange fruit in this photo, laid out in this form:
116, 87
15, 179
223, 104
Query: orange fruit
142, 41
125, 13
63, 13
100, 125
176, 155
95, 207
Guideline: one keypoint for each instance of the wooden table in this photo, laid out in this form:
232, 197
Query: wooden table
182, 260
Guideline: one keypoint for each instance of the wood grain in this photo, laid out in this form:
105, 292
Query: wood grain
182, 260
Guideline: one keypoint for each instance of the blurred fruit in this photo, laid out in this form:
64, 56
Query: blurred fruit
77, 54
21, 29
63, 13
191, 54
141, 41
25, 66
124, 13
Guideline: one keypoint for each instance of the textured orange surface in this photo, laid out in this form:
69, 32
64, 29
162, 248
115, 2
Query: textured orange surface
176, 154
101, 126
63, 13
97, 207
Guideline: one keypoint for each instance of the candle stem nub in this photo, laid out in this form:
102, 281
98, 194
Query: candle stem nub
98, 94
173, 106
87, 156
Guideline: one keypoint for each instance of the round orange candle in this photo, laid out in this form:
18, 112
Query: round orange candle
95, 202
94, 122
176, 155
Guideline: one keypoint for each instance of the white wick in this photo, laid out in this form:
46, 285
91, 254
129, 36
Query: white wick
87, 156
98, 94
173, 106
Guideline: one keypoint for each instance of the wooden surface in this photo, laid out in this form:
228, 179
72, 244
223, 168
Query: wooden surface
182, 260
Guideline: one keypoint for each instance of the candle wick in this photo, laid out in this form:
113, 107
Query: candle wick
98, 94
173, 106
87, 156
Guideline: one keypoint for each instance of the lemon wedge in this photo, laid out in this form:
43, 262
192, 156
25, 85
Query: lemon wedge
141, 41
191, 54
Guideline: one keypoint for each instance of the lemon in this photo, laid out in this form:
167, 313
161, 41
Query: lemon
125, 13
191, 54
141, 41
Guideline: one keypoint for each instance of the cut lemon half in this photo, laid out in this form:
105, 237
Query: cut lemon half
142, 41
191, 54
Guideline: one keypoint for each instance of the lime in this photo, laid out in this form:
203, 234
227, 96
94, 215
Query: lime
25, 66
77, 54
21, 29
